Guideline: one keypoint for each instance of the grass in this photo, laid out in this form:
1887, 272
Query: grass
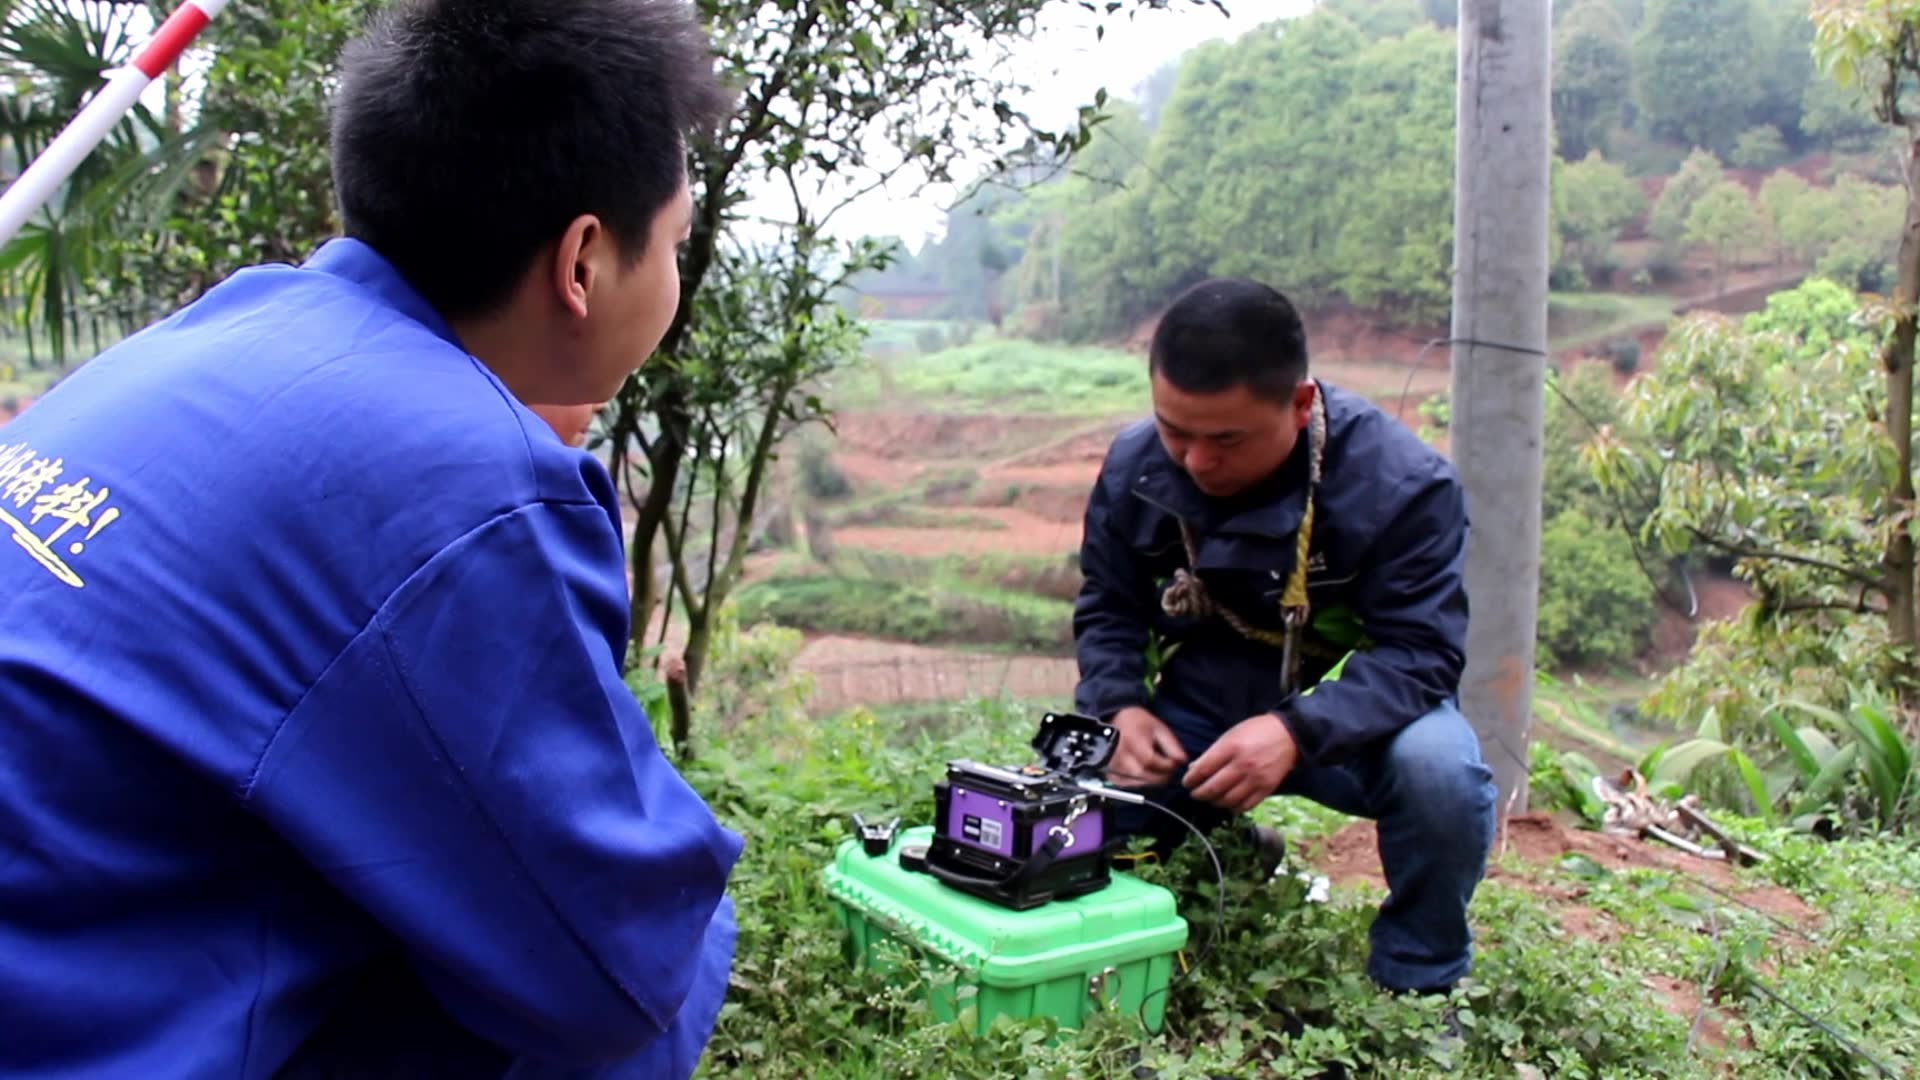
1577, 320
1003, 374
893, 337
895, 512
1576, 708
920, 613
1047, 576
1280, 992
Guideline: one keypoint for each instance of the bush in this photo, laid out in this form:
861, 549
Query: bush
929, 339
1625, 355
1580, 404
820, 478
1569, 276
1596, 604
1759, 148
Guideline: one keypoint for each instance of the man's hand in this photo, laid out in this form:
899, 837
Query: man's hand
1245, 765
1148, 752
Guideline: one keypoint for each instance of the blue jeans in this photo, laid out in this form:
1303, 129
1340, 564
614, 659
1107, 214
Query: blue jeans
1433, 799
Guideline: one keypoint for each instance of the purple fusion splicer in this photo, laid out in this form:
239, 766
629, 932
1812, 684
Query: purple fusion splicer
1023, 835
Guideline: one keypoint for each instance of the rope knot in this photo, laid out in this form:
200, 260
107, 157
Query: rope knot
1187, 597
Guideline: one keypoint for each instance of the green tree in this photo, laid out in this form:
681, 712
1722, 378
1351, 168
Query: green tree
1759, 147
267, 181
1596, 604
1861, 228
1839, 117
54, 271
1877, 44
1667, 222
1694, 74
1207, 196
763, 328
1726, 222
1765, 448
1381, 18
1581, 405
1361, 211
1783, 200
837, 100
1817, 316
1784, 37
1592, 74
1596, 200
1395, 248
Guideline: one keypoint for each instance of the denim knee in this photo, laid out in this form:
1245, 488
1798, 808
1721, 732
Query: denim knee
1435, 769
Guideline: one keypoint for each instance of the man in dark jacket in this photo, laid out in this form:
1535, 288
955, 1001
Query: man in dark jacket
1334, 677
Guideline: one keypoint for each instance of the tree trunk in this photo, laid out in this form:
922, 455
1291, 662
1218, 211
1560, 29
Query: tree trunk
1901, 623
721, 579
679, 710
699, 643
663, 471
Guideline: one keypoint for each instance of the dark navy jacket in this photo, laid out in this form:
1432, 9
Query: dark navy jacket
1388, 551
310, 705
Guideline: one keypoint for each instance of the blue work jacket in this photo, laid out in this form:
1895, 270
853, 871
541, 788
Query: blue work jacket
310, 697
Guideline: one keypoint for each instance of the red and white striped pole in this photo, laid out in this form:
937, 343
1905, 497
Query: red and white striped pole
124, 87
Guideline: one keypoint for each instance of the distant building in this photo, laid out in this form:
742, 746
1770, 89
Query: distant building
916, 297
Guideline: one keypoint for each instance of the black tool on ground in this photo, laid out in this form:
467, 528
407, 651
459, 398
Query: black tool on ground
1022, 835
875, 840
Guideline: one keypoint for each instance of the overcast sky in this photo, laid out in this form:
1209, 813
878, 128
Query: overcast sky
1068, 65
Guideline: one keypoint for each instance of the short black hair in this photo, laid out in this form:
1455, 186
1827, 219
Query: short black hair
467, 134
1228, 332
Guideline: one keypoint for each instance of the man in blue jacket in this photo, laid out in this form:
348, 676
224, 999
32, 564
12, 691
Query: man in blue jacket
1293, 557
314, 747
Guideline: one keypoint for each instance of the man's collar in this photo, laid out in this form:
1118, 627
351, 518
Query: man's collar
355, 261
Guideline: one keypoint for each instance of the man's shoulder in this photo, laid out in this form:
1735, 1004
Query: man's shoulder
1130, 447
288, 402
284, 358
1367, 440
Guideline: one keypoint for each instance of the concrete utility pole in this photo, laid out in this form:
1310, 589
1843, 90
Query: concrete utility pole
1499, 360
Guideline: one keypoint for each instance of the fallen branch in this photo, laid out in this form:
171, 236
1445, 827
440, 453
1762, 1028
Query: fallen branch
1631, 811
1697, 818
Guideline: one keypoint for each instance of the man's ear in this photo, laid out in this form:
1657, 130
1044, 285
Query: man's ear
1303, 395
576, 263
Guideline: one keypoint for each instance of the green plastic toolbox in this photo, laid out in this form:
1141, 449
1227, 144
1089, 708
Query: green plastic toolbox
1111, 949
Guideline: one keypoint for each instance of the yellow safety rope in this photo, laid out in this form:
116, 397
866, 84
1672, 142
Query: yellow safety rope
1187, 597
